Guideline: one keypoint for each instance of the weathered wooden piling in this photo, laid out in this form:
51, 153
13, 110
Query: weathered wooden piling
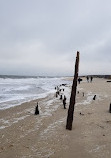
64, 102
60, 97
73, 95
56, 94
36, 110
94, 97
110, 108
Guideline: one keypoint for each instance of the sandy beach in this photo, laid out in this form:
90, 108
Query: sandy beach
25, 135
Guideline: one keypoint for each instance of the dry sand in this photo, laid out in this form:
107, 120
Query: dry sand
24, 135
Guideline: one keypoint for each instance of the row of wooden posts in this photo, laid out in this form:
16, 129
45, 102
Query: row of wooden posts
73, 96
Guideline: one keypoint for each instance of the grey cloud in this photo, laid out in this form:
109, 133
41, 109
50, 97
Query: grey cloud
45, 35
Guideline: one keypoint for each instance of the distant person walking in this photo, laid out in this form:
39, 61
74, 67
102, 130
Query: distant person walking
87, 78
79, 80
91, 78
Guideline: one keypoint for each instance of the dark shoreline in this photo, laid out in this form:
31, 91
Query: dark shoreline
28, 76
98, 76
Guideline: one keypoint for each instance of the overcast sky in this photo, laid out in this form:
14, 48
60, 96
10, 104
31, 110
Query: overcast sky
41, 37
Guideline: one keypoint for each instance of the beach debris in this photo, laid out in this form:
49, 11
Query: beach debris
78, 92
100, 126
64, 102
89, 113
2, 148
110, 108
73, 95
63, 84
108, 81
108, 121
94, 97
11, 145
81, 113
36, 110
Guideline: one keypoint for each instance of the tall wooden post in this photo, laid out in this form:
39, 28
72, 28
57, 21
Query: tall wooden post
110, 108
73, 95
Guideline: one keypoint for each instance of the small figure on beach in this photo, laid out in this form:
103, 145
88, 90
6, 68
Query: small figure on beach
36, 110
78, 92
83, 94
64, 102
79, 80
91, 79
94, 97
87, 78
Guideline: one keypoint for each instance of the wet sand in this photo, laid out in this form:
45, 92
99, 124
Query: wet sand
25, 135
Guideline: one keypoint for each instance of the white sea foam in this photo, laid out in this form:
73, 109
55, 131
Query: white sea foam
52, 127
14, 91
89, 99
8, 123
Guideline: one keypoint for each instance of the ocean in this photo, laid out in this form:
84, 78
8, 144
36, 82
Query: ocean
15, 90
